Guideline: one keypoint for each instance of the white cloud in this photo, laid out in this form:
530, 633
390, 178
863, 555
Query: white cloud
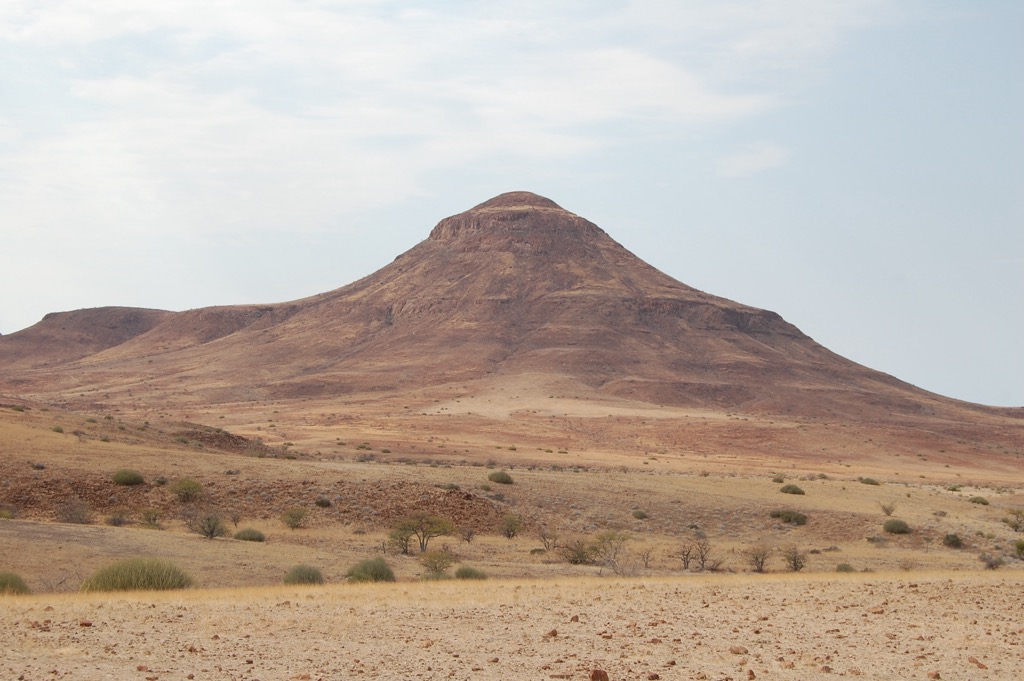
755, 159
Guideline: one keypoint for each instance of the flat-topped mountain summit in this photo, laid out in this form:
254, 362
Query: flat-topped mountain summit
516, 286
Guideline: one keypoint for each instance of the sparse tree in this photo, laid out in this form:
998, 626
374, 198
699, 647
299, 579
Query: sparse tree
400, 540
685, 555
796, 560
577, 552
294, 517
548, 538
1015, 519
208, 525
511, 525
425, 527
758, 556
610, 551
468, 534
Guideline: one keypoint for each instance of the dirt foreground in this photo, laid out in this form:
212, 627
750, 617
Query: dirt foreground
878, 626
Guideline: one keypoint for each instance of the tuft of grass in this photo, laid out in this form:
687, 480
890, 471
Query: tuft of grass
952, 541
868, 481
791, 489
845, 567
57, 429
500, 477
640, 514
979, 500
789, 516
896, 526
138, 574
127, 476
1018, 548
467, 572
304, 574
250, 534
371, 570
323, 502
11, 583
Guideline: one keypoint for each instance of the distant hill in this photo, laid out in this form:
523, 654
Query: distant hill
515, 286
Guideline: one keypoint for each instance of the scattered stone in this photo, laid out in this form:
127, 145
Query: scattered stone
552, 634
598, 675
738, 650
934, 675
84, 623
980, 665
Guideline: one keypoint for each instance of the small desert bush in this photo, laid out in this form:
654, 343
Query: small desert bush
845, 567
304, 574
991, 562
511, 525
896, 526
1018, 548
250, 534
8, 513
640, 514
187, 490
10, 583
323, 502
868, 481
138, 574
294, 517
979, 500
117, 519
500, 477
791, 489
778, 480
952, 541
127, 476
208, 525
437, 561
57, 429
74, 511
371, 570
151, 517
789, 516
467, 572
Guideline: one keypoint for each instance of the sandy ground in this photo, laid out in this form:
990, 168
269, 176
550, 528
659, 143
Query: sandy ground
879, 626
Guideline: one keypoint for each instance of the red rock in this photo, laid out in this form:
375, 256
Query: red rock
598, 675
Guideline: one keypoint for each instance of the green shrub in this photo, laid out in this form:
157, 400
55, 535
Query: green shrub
791, 517
979, 500
511, 525
187, 490
953, 488
304, 574
952, 541
126, 476
467, 572
117, 519
371, 570
294, 517
868, 481
57, 429
8, 513
1018, 548
845, 567
896, 526
437, 561
778, 480
500, 477
250, 534
791, 489
640, 514
138, 574
11, 583
323, 502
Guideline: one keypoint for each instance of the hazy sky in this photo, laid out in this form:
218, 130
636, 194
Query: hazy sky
854, 165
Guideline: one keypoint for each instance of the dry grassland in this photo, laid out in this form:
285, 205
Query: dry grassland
915, 607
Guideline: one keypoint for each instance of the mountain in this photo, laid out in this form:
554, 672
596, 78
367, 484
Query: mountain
514, 287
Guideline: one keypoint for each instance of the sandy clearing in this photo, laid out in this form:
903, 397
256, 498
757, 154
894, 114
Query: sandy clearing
777, 627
